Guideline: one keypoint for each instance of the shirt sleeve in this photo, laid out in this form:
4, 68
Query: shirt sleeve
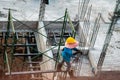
75, 49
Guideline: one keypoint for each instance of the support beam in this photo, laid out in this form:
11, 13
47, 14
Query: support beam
29, 57
21, 31
33, 72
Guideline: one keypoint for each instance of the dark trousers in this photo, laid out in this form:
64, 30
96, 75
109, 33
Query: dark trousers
61, 64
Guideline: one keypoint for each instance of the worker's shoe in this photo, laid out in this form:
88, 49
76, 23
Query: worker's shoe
71, 73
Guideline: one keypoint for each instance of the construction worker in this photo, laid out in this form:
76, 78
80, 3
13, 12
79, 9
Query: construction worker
70, 45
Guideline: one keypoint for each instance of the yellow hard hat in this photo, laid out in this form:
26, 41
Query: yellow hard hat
70, 40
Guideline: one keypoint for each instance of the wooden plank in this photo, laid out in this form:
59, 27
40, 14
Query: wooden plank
31, 54
33, 72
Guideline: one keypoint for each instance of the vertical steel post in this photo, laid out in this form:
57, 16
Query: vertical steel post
5, 56
61, 37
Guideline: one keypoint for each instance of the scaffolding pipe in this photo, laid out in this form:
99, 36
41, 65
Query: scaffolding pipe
61, 37
84, 6
7, 61
13, 39
51, 22
29, 27
95, 30
72, 26
5, 57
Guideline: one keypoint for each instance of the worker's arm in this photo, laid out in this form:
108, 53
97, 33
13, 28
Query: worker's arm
77, 51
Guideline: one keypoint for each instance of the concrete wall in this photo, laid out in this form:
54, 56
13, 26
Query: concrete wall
42, 42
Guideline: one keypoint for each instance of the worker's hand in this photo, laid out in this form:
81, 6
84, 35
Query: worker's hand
78, 52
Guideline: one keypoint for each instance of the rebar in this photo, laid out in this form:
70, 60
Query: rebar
108, 36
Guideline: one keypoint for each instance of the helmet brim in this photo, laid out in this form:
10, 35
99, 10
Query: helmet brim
71, 45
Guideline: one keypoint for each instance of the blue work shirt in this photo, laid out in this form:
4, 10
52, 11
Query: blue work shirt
67, 54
